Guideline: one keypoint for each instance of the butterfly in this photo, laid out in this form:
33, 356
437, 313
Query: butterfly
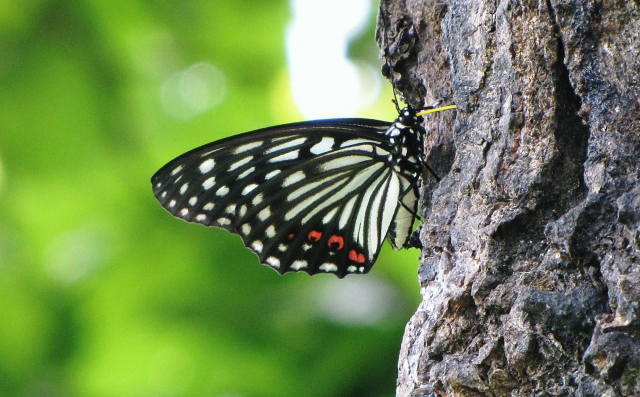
317, 196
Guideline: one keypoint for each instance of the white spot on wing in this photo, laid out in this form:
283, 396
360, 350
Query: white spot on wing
201, 217
176, 170
172, 203
246, 229
184, 188
293, 178
224, 221
205, 154
193, 200
240, 163
306, 246
271, 231
257, 246
273, 261
290, 144
346, 212
247, 189
393, 131
257, 199
208, 206
352, 269
231, 209
292, 155
282, 248
325, 144
327, 218
246, 172
208, 183
264, 214
299, 264
282, 138
164, 194
307, 187
353, 142
243, 210
247, 146
343, 161
271, 174
184, 211
328, 267
206, 166
222, 191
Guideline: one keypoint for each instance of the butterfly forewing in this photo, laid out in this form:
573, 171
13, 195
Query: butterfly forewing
315, 196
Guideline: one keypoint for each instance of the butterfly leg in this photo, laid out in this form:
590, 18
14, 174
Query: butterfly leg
431, 171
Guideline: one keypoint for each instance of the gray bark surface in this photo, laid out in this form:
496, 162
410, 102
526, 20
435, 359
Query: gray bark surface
531, 261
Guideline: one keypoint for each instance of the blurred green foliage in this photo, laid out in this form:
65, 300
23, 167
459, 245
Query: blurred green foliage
102, 292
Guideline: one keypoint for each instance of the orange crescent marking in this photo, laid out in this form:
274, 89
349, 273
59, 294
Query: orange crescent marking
314, 235
335, 239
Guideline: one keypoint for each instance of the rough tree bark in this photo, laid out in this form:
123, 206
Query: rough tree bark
531, 261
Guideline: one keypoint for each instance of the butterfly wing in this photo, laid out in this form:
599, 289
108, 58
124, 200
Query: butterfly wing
402, 224
316, 196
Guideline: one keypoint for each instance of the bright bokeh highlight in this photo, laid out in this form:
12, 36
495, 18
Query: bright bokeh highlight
324, 81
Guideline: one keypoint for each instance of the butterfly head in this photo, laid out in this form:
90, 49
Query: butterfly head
409, 117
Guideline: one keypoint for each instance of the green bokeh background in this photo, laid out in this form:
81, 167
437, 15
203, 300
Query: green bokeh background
102, 293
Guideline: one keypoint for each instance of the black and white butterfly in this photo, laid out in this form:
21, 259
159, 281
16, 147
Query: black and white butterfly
317, 196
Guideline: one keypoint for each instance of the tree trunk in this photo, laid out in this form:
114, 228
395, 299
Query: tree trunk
531, 269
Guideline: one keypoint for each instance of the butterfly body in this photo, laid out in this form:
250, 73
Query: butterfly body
317, 196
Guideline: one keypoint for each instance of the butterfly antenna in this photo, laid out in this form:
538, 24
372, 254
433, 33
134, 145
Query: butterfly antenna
431, 109
395, 101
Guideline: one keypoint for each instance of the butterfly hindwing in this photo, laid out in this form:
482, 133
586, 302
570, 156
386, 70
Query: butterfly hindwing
402, 224
314, 196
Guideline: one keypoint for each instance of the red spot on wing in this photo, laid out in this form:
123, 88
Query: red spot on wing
314, 235
291, 236
353, 255
357, 256
336, 242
